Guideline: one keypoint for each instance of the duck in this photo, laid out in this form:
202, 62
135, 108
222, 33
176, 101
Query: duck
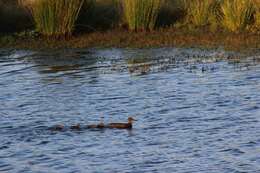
128, 125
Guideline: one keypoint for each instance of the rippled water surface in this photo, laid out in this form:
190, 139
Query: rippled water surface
198, 111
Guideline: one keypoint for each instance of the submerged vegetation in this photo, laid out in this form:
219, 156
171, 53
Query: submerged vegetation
146, 18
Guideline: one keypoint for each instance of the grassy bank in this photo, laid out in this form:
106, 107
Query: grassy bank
131, 23
159, 38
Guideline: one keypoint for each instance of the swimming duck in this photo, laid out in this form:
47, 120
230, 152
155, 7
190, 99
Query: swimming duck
128, 125
59, 127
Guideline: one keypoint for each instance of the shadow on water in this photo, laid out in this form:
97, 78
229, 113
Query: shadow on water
54, 66
62, 61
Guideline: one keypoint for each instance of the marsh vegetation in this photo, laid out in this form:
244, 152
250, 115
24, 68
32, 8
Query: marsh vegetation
141, 15
60, 18
55, 18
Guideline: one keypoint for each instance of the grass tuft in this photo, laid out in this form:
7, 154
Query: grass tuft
141, 15
237, 14
257, 13
54, 18
199, 12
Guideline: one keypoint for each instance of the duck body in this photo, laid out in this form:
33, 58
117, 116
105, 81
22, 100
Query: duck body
128, 125
120, 126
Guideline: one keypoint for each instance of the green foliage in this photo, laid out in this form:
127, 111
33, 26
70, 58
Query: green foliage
141, 14
237, 14
199, 12
257, 13
6, 39
31, 34
56, 18
257, 20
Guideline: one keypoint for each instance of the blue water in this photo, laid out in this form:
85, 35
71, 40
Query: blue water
198, 110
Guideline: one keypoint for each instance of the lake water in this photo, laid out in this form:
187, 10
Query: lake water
198, 110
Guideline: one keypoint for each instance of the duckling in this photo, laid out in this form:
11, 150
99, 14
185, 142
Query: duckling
128, 125
101, 125
75, 127
97, 126
58, 127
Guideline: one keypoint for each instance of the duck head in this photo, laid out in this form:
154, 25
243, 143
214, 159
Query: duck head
131, 120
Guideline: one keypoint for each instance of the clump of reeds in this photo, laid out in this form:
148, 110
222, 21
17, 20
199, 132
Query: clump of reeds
257, 13
198, 12
141, 14
54, 18
237, 14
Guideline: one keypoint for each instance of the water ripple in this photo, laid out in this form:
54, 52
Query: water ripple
197, 110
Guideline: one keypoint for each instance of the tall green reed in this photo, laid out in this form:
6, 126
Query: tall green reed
198, 12
257, 13
141, 15
55, 18
237, 14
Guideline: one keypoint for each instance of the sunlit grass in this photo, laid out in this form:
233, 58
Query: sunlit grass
257, 13
198, 12
55, 18
141, 14
257, 19
237, 14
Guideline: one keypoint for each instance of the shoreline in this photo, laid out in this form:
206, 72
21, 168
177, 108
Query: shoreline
126, 39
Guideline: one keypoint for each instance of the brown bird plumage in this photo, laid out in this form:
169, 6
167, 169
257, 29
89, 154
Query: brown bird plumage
101, 125
128, 125
76, 127
57, 128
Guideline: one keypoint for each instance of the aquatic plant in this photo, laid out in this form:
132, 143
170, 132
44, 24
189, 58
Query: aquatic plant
237, 14
55, 18
141, 14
